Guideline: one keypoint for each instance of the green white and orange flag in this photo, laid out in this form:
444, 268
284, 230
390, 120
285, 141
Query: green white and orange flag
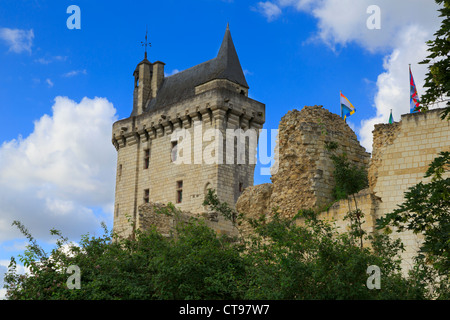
347, 109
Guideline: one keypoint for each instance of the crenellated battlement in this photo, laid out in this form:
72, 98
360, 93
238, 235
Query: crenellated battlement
234, 108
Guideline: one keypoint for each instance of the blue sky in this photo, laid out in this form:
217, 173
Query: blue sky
61, 89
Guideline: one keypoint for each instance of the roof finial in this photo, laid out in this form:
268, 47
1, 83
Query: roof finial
146, 43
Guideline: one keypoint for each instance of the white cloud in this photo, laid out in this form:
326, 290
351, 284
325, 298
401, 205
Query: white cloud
298, 4
3, 270
405, 27
344, 21
168, 74
51, 59
18, 40
16, 246
49, 82
270, 10
74, 73
393, 84
60, 174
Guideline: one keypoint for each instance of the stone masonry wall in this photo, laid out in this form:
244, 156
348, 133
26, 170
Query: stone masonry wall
217, 108
305, 170
366, 201
401, 154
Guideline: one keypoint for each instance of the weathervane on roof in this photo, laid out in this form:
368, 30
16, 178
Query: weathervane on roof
146, 43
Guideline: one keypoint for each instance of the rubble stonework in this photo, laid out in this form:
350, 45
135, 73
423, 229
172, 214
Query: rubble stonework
305, 170
159, 216
383, 136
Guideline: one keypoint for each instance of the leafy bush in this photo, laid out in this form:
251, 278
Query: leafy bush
281, 259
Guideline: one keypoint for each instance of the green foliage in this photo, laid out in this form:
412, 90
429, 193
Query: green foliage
288, 260
212, 200
437, 80
349, 179
281, 259
356, 231
194, 265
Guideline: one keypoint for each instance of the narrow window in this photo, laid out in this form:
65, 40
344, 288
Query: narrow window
119, 172
179, 191
146, 158
174, 151
241, 187
146, 195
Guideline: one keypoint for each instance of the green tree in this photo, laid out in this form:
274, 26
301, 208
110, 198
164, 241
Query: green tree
194, 264
437, 80
289, 259
349, 179
282, 259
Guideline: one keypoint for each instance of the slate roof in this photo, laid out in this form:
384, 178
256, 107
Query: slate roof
182, 85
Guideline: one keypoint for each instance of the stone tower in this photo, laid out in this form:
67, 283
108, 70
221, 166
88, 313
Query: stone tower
185, 117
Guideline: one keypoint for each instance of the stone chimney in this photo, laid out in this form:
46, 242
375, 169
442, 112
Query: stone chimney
157, 77
142, 86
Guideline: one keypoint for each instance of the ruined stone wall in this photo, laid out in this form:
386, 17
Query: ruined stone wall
151, 216
402, 152
305, 170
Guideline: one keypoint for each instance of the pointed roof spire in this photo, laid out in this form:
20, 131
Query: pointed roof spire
182, 85
228, 60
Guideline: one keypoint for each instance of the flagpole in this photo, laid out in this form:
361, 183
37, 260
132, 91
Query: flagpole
409, 81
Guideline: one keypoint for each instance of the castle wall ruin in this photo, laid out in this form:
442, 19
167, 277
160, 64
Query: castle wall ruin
402, 152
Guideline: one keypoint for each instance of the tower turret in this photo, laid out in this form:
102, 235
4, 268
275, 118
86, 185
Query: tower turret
148, 78
142, 86
157, 77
